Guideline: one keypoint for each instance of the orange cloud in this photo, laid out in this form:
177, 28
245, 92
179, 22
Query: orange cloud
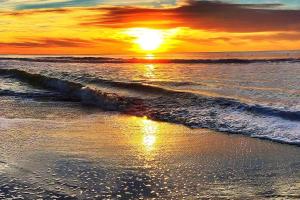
32, 12
63, 46
190, 26
48, 42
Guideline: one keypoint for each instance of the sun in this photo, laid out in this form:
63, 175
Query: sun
147, 39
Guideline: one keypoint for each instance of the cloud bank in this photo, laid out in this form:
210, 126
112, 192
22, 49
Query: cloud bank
205, 15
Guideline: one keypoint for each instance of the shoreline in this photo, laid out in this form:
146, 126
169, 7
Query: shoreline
136, 157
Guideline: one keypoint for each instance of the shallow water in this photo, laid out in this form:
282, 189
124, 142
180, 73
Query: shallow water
255, 94
66, 151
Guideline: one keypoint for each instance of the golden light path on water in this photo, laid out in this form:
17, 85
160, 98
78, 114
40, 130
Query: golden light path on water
149, 132
149, 71
146, 137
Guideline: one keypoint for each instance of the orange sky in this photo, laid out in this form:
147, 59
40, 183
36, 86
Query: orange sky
186, 26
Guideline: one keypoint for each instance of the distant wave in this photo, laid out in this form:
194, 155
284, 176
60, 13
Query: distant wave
72, 90
190, 109
141, 60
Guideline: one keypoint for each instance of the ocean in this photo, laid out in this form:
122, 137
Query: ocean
180, 126
254, 93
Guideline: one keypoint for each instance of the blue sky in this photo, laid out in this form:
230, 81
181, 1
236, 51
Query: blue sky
39, 4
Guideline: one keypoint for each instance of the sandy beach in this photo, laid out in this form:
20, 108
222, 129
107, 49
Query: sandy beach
72, 152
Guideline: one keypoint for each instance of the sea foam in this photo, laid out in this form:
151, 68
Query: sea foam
187, 108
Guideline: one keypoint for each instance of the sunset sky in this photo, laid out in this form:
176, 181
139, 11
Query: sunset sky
120, 27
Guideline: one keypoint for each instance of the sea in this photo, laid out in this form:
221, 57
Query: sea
251, 93
167, 126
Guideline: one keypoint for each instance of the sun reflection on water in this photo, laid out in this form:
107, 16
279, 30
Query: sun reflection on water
149, 141
149, 131
150, 57
149, 71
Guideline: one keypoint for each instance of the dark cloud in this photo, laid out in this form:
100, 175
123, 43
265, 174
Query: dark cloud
207, 15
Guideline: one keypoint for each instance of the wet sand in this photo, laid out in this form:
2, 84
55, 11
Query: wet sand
62, 151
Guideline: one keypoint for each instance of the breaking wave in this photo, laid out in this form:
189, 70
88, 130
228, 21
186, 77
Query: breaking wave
187, 108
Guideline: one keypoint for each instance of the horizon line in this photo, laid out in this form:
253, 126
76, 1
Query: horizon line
291, 50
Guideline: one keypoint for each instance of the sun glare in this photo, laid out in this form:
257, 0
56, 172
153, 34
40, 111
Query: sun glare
147, 39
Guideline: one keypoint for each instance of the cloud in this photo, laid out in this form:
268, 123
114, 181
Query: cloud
285, 3
32, 12
48, 42
61, 42
204, 15
283, 36
46, 4
60, 4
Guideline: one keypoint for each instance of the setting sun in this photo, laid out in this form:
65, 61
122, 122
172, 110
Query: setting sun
147, 39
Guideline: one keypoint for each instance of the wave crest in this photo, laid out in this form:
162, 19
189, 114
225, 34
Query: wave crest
193, 110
